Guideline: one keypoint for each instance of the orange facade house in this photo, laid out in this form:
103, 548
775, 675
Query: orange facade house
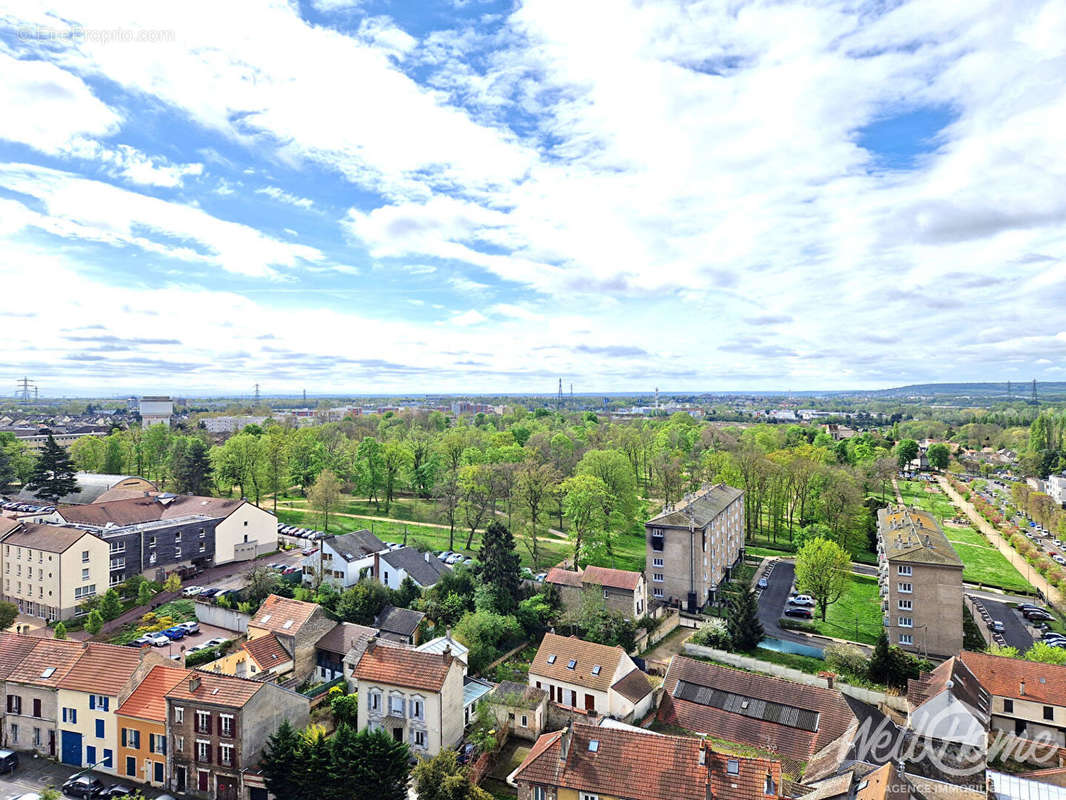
142, 728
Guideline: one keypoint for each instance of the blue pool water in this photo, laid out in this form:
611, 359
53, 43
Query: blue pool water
782, 646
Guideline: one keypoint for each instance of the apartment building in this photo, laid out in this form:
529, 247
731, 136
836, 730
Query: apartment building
142, 720
693, 545
920, 578
49, 570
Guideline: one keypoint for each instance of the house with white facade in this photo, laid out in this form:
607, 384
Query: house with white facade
425, 569
342, 560
949, 705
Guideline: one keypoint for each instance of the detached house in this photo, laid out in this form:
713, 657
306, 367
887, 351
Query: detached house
331, 649
416, 697
591, 677
296, 627
343, 560
424, 569
623, 592
950, 705
606, 763
218, 726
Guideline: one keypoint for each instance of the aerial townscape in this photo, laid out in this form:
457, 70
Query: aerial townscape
533, 400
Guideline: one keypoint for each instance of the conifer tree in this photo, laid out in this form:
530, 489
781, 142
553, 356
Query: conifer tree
53, 475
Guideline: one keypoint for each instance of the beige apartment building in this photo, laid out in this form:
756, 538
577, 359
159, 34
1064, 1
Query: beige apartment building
920, 578
49, 570
693, 545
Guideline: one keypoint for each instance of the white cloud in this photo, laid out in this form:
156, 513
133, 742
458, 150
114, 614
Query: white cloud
282, 196
471, 317
130, 163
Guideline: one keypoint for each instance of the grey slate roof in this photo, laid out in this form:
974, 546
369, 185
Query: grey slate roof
422, 571
355, 545
698, 509
90, 486
913, 535
398, 621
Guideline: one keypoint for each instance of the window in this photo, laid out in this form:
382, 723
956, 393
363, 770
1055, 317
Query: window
375, 701
551, 658
523, 721
203, 547
203, 751
131, 738
106, 760
571, 663
177, 552
14, 704
84, 556
587, 796
203, 533
36, 737
905, 588
396, 705
657, 577
1049, 713
906, 622
769, 787
1008, 706
538, 793
14, 734
657, 592
85, 574
179, 743
151, 541
100, 729
84, 591
604, 594
177, 537
99, 701
417, 708
906, 605
656, 562
203, 722
179, 714
732, 767
596, 669
157, 743
906, 638
226, 724
69, 714
420, 738
225, 755
903, 569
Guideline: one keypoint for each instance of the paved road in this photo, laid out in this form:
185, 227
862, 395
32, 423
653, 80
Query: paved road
1015, 632
772, 602
35, 774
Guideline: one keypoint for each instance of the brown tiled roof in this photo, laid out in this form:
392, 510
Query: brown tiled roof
563, 577
266, 651
587, 655
102, 669
344, 636
517, 695
7, 524
834, 713
57, 655
964, 685
634, 686
13, 649
402, 666
146, 509
880, 783
148, 700
1003, 677
628, 763
50, 538
215, 689
282, 615
612, 578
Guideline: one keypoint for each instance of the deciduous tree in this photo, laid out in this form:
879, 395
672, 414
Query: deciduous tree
823, 572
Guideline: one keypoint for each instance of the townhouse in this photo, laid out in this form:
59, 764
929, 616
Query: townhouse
217, 727
920, 578
343, 560
49, 570
31, 719
101, 678
297, 626
13, 649
607, 763
416, 697
142, 722
591, 677
694, 545
623, 592
1028, 698
331, 649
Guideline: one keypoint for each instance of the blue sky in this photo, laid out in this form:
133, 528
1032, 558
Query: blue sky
346, 195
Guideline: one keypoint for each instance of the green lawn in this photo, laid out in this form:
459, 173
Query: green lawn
855, 616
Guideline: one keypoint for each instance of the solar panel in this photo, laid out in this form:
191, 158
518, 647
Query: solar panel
753, 707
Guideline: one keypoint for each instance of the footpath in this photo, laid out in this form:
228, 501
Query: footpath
1039, 582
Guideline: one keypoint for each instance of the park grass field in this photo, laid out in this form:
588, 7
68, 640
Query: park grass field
857, 615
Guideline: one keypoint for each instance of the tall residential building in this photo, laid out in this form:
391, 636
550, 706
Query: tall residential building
920, 576
693, 545
156, 411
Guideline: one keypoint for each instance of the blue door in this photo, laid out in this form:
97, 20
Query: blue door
71, 748
90, 755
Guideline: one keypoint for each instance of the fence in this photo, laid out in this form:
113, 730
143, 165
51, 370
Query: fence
227, 618
869, 696
981, 617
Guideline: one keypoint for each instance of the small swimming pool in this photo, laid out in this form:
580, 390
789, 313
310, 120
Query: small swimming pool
783, 646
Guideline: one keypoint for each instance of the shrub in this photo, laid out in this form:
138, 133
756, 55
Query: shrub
798, 625
713, 633
847, 659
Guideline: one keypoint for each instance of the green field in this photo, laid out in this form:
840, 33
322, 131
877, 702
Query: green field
981, 562
855, 616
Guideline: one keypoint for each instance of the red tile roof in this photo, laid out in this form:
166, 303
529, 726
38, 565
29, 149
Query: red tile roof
403, 666
148, 700
834, 713
282, 615
102, 669
1003, 677
146, 509
612, 578
47, 663
13, 649
215, 689
563, 577
627, 763
267, 652
588, 655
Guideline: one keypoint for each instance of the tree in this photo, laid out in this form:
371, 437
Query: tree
379, 766
172, 583
240, 462
822, 571
449, 494
745, 629
1046, 654
477, 497
394, 458
444, 778
110, 605
260, 583
276, 460
534, 487
345, 709
906, 452
144, 594
53, 475
939, 456
59, 631
94, 622
891, 665
498, 566
585, 498
8, 613
325, 495
363, 602
192, 471
281, 762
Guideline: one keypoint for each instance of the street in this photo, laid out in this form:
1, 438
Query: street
35, 774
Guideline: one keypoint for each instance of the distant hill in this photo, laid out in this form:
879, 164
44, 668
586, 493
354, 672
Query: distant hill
1019, 391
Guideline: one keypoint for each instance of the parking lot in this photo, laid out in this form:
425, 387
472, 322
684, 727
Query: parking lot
207, 633
1015, 632
36, 774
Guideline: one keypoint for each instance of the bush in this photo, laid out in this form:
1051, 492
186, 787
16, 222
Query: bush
484, 633
798, 625
713, 633
847, 659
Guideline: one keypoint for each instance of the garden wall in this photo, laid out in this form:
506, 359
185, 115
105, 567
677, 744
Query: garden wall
229, 618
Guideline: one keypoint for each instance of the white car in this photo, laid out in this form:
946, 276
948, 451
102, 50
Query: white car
189, 591
215, 642
801, 600
158, 640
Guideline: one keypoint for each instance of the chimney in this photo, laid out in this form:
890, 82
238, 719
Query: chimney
194, 683
1021, 687
703, 752
564, 743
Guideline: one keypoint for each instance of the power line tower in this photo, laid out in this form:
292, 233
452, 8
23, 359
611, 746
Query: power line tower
559, 398
305, 397
1010, 395
1034, 392
23, 389
257, 394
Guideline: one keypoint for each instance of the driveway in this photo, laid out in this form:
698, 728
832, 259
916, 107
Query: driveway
1015, 632
772, 601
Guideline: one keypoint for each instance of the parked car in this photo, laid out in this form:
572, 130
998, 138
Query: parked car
158, 639
189, 591
27, 796
801, 600
207, 591
290, 570
540, 576
763, 583
115, 791
83, 786
175, 633
1036, 613
799, 611
190, 627
454, 558
140, 641
444, 554
215, 642
996, 625
1023, 606
9, 761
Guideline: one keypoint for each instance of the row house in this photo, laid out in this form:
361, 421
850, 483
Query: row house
217, 728
142, 722
1026, 698
31, 692
331, 649
297, 626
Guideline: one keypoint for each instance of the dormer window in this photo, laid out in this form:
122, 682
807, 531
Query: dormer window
769, 787
732, 766
571, 663
551, 659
